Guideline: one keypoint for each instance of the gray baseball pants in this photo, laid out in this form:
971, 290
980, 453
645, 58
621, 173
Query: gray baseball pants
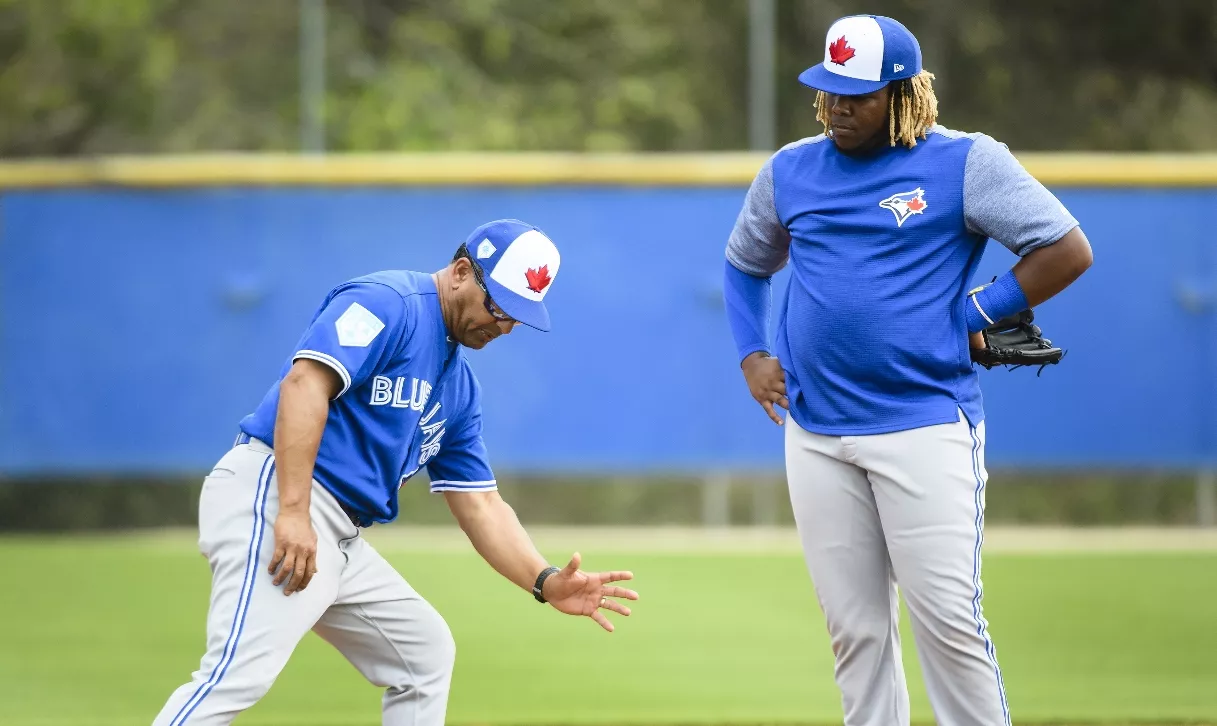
357, 602
907, 509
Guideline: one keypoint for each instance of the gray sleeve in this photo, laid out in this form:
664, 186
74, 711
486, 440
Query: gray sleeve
759, 244
1002, 201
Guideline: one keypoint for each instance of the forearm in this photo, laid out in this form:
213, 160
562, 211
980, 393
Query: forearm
495, 532
299, 423
749, 301
1037, 277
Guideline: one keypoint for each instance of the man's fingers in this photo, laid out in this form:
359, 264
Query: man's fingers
620, 592
616, 607
616, 576
772, 414
310, 569
287, 567
602, 621
276, 559
293, 583
280, 568
573, 566
301, 573
778, 398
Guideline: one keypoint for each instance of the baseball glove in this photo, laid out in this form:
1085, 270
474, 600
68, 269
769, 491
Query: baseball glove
1016, 341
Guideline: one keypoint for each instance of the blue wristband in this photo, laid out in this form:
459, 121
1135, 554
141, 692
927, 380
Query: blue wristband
1004, 297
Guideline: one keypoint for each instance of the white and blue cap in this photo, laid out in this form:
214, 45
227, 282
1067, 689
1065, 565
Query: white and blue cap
519, 264
863, 53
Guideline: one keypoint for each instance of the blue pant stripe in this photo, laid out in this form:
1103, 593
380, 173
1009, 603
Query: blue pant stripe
982, 627
238, 620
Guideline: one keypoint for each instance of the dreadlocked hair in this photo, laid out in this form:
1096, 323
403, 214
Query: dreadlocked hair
912, 109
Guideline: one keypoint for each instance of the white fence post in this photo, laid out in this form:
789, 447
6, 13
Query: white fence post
716, 500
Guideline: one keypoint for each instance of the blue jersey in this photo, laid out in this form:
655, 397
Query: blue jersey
408, 398
872, 334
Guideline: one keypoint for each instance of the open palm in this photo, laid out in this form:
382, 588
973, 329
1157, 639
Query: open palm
574, 592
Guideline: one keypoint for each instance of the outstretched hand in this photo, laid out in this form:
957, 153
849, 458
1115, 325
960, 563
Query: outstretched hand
574, 592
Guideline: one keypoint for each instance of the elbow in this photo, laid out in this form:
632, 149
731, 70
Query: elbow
1082, 259
1070, 256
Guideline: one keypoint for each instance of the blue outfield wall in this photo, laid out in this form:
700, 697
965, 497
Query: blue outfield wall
137, 326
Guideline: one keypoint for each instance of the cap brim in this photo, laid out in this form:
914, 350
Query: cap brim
822, 79
531, 313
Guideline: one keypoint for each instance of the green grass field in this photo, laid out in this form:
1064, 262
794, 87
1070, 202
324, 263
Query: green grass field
100, 631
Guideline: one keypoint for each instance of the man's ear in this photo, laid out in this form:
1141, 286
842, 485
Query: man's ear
462, 268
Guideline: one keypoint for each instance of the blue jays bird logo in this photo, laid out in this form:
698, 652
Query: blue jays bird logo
905, 204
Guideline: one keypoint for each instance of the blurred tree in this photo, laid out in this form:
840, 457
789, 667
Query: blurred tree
601, 75
91, 76
70, 70
146, 76
1046, 74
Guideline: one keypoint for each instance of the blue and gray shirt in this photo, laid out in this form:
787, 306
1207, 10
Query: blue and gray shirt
871, 333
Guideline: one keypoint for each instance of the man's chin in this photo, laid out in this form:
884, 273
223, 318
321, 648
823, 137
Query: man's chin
476, 341
845, 142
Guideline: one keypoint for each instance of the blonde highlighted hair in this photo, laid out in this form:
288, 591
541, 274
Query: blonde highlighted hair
912, 109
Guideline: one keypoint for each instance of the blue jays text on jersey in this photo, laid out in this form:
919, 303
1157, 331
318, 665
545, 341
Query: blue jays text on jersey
408, 398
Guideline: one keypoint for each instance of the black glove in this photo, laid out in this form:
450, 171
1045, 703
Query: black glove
1016, 341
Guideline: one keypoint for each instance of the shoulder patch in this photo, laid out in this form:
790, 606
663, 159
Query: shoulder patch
357, 327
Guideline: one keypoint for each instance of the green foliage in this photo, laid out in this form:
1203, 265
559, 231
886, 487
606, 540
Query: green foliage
599, 75
153, 76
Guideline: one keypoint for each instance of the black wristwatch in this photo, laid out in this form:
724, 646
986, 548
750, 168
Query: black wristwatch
536, 589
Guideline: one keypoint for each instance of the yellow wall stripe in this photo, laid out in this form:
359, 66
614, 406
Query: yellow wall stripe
523, 169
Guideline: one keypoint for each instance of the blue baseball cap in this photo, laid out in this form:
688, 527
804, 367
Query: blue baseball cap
863, 53
519, 264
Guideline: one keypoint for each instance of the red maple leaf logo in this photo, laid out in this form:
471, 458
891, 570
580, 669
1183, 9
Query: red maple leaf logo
916, 205
839, 51
538, 279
